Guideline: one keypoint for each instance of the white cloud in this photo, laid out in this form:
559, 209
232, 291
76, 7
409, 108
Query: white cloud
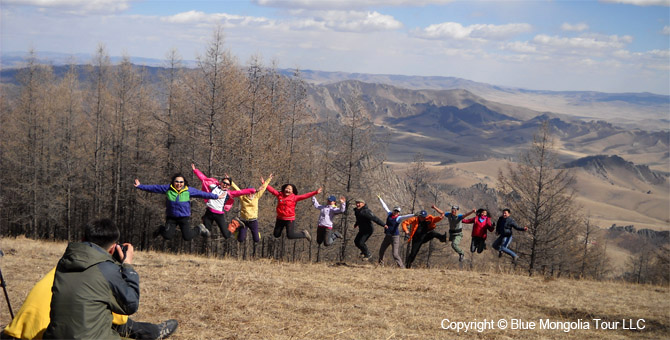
454, 30
666, 30
574, 27
75, 6
344, 21
197, 17
640, 2
586, 42
346, 4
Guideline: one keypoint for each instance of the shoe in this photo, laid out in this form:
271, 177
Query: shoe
460, 257
366, 258
337, 234
157, 231
307, 235
167, 328
515, 259
203, 230
500, 254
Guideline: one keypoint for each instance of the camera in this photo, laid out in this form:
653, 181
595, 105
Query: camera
117, 256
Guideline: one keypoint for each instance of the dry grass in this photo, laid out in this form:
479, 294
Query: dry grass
229, 299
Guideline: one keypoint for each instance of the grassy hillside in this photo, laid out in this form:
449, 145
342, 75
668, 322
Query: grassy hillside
230, 299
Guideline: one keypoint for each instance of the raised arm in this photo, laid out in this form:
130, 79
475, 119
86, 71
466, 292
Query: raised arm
383, 204
198, 173
437, 209
261, 189
273, 190
469, 213
316, 203
307, 195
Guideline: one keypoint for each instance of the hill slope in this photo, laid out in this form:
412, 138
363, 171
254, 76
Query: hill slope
230, 299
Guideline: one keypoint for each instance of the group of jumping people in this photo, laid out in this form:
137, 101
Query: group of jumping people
419, 228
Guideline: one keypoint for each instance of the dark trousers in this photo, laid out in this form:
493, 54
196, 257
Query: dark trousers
362, 237
325, 235
290, 232
477, 244
137, 330
419, 239
170, 227
249, 225
210, 217
393, 240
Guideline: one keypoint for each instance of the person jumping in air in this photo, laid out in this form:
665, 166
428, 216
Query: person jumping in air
286, 201
422, 231
455, 228
392, 233
480, 223
249, 212
324, 231
364, 219
504, 230
177, 206
216, 208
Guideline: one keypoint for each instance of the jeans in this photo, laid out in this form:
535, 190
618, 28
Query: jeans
325, 235
502, 243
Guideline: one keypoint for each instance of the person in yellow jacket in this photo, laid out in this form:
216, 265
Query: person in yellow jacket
32, 319
422, 230
249, 212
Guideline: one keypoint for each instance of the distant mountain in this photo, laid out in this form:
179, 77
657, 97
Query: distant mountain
458, 125
603, 166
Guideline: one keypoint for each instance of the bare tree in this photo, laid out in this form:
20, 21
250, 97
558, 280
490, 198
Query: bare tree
542, 198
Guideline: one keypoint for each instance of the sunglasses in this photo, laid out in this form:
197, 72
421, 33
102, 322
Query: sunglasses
179, 181
225, 183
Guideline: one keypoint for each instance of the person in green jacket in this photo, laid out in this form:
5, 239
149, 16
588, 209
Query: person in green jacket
90, 285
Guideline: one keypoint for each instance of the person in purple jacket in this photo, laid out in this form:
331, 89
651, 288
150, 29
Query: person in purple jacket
324, 233
177, 206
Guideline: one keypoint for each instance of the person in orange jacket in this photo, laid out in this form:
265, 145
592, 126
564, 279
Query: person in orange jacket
420, 231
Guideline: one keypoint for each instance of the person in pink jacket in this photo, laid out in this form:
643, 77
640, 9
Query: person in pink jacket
480, 224
216, 208
286, 201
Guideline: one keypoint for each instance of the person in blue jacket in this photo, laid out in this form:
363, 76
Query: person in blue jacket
177, 206
392, 233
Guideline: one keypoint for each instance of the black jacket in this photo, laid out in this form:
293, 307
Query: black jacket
365, 217
505, 225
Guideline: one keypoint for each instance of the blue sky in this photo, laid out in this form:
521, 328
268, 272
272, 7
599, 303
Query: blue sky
609, 46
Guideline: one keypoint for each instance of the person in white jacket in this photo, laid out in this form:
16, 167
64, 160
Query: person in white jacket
324, 233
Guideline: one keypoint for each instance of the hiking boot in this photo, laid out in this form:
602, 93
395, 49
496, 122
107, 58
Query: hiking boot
167, 328
337, 234
500, 254
460, 257
515, 259
307, 235
203, 230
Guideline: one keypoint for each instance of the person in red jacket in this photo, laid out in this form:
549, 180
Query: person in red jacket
286, 201
480, 224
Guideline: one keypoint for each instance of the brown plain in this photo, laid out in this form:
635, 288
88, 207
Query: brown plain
216, 298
